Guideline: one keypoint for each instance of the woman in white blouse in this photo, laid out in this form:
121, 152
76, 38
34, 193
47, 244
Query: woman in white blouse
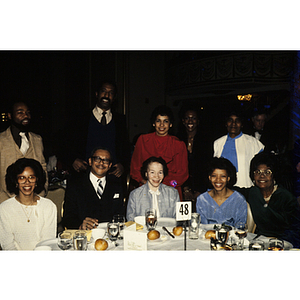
27, 218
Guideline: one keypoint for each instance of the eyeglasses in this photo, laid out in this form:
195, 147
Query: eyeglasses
98, 159
263, 172
23, 179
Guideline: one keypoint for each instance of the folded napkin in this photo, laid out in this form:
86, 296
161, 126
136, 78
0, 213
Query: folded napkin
138, 226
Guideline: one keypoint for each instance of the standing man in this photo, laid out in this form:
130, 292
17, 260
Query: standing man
239, 148
106, 128
17, 142
93, 197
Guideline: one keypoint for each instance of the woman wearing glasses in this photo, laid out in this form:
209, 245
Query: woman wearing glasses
275, 210
27, 218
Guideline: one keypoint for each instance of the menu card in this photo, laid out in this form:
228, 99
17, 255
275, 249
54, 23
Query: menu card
134, 240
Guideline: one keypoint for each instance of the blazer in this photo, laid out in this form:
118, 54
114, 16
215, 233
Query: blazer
140, 199
81, 201
10, 152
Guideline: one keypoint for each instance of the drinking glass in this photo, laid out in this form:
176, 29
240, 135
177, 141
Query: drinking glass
65, 240
241, 230
222, 234
120, 219
276, 245
150, 218
80, 240
194, 226
256, 245
113, 232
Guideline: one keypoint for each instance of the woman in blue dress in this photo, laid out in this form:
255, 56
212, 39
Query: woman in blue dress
221, 204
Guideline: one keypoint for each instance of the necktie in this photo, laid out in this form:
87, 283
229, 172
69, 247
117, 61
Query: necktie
100, 189
154, 201
24, 143
103, 120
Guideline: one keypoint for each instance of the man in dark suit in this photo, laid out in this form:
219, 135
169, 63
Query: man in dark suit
94, 196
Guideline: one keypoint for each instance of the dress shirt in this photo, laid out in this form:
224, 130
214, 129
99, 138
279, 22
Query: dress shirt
95, 182
97, 111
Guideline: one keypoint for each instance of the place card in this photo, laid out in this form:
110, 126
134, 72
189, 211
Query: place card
183, 210
134, 240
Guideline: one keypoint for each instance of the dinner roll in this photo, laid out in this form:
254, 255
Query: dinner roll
210, 234
153, 235
101, 244
177, 230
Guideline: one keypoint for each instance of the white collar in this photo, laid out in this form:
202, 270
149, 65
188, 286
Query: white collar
97, 111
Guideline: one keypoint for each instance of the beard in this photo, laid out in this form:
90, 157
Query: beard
21, 127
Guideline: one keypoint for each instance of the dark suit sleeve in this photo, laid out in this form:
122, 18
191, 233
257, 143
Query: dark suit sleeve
71, 218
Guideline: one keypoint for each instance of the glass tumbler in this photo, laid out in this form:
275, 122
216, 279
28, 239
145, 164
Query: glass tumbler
194, 226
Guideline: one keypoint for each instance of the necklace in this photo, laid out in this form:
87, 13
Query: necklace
28, 214
25, 211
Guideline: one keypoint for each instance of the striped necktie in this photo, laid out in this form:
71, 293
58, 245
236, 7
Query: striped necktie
24, 143
100, 189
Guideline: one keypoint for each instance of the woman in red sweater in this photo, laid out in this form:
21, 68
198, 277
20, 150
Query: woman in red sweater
160, 143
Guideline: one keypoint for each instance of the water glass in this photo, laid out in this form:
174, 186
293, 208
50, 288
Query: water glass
113, 231
120, 219
276, 245
80, 240
64, 240
151, 218
194, 226
256, 245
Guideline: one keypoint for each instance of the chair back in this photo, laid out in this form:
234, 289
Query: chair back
250, 222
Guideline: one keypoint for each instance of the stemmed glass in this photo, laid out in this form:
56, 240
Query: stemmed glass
113, 232
241, 230
150, 218
120, 219
65, 240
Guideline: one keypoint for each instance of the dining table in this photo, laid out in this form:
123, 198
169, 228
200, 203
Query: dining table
165, 242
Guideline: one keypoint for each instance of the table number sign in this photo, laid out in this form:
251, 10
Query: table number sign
183, 210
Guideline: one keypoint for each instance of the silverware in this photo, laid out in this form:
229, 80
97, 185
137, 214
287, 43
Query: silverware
168, 232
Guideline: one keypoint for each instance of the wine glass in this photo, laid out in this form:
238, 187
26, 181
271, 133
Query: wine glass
241, 230
120, 219
65, 240
113, 232
276, 245
150, 218
256, 245
80, 240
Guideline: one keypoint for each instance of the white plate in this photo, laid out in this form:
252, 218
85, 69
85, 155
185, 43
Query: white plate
103, 225
91, 246
51, 243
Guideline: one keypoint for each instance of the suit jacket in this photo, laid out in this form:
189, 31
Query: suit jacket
81, 201
76, 137
10, 152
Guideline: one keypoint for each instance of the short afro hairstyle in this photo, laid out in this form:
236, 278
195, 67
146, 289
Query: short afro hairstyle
264, 158
162, 110
12, 172
223, 164
150, 160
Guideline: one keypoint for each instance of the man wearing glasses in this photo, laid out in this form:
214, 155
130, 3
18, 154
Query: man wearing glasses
94, 196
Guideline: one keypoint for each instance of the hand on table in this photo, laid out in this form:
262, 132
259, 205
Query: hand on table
88, 224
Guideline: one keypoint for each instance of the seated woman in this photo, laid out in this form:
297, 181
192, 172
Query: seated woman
27, 218
153, 194
275, 210
221, 204
161, 144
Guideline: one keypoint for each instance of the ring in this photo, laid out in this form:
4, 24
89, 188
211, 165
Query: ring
94, 224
